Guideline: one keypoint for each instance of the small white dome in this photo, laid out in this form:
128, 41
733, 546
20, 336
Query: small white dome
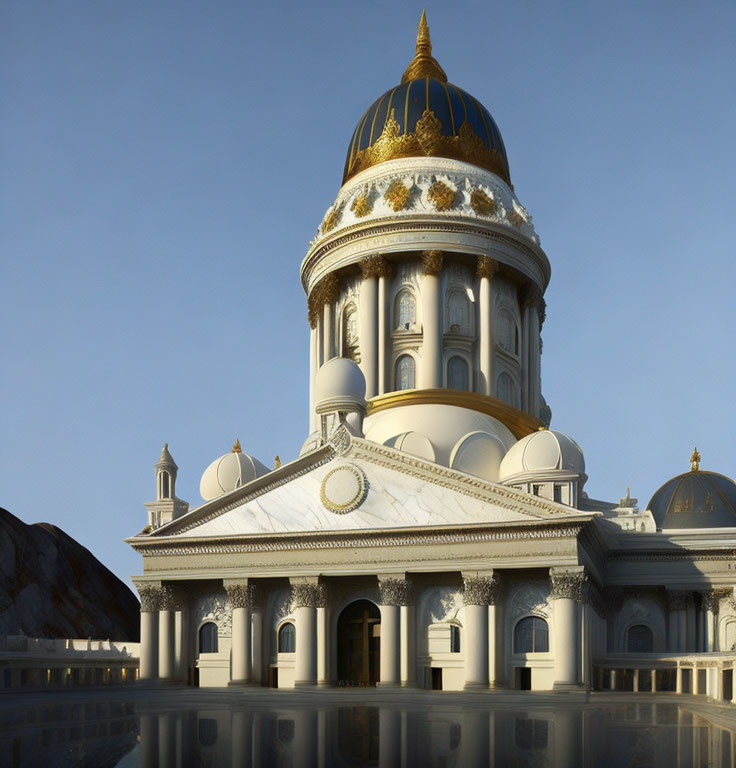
339, 386
479, 454
229, 472
543, 451
413, 443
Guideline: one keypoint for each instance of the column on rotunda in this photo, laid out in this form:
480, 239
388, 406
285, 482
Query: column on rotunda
150, 600
486, 268
432, 319
567, 593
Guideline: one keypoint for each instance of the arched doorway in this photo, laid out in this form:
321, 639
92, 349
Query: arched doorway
359, 644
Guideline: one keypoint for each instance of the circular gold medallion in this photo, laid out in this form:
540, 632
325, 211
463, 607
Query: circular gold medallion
343, 489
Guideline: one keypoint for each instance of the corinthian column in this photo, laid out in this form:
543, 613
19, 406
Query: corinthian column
710, 607
384, 275
150, 602
305, 596
486, 268
240, 595
369, 268
432, 320
394, 592
166, 655
479, 591
567, 592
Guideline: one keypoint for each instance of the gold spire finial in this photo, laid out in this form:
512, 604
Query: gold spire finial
236, 446
277, 462
695, 460
424, 64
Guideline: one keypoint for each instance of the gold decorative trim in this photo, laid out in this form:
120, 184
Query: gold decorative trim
486, 267
325, 292
397, 195
519, 422
375, 266
356, 501
432, 262
482, 204
361, 206
427, 141
442, 195
515, 218
332, 219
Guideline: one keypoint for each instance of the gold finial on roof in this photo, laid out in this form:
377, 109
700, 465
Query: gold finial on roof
424, 64
236, 446
277, 462
695, 460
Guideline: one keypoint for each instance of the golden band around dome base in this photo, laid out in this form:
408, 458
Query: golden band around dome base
520, 423
427, 141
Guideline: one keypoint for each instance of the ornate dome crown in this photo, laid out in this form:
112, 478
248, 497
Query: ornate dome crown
695, 499
425, 116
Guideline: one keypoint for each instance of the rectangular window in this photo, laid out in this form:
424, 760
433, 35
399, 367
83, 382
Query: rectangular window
558, 494
536, 489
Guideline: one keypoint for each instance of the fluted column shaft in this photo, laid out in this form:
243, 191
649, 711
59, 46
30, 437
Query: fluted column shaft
567, 593
313, 366
328, 348
432, 320
166, 645
257, 623
323, 637
408, 646
305, 597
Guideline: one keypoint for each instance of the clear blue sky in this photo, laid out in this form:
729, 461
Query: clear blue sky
163, 166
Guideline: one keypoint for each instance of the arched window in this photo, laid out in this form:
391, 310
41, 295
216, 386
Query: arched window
287, 638
458, 312
454, 639
208, 638
506, 388
639, 639
350, 333
165, 485
405, 373
457, 373
405, 311
531, 635
507, 332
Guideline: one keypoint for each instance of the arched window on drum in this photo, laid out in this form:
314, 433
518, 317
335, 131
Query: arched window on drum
458, 312
507, 332
531, 635
405, 311
350, 343
208, 637
458, 376
405, 373
639, 639
287, 638
506, 389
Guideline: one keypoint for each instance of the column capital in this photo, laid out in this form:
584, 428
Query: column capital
531, 296
680, 600
710, 600
486, 267
432, 262
241, 594
394, 590
324, 292
307, 593
480, 589
375, 266
568, 583
158, 597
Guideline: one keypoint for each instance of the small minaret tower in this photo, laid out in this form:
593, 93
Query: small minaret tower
167, 506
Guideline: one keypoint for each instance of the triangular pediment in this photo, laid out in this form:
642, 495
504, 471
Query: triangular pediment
352, 484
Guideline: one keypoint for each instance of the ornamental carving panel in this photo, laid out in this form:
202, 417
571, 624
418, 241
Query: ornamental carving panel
529, 599
397, 195
395, 592
214, 607
442, 195
481, 203
567, 584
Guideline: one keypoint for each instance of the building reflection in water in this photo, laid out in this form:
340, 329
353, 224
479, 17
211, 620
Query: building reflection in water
617, 732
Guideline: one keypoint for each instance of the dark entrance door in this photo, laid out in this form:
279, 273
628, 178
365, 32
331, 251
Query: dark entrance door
359, 644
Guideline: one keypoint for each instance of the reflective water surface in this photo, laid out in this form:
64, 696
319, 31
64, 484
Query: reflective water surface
186, 727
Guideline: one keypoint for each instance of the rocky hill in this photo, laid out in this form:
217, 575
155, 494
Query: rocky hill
51, 586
